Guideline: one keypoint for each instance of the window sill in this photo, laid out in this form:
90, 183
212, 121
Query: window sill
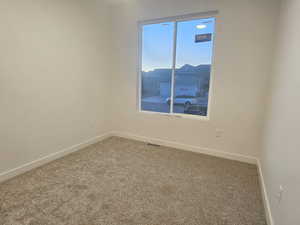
175, 115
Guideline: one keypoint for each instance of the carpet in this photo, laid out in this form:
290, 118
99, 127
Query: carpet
119, 181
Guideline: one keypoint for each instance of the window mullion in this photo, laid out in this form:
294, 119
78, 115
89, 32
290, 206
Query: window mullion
173, 67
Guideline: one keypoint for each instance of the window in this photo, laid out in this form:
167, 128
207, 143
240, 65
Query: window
175, 66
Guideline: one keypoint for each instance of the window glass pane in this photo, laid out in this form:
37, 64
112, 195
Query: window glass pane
193, 66
157, 50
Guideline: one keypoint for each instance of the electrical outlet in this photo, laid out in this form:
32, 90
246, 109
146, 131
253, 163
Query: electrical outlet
279, 194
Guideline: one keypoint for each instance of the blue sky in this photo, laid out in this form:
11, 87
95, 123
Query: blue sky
158, 44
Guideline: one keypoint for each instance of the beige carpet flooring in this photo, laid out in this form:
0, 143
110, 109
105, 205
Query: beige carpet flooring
119, 181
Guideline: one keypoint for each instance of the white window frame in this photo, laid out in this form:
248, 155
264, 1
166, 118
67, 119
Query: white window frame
175, 19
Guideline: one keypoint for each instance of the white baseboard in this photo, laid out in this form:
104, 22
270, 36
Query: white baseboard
192, 148
46, 159
265, 198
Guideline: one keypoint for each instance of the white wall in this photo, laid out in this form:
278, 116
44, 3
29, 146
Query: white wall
281, 154
54, 77
243, 55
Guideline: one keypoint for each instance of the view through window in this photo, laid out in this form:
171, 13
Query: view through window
176, 66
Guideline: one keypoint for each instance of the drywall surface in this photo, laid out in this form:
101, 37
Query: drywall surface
280, 155
54, 77
243, 56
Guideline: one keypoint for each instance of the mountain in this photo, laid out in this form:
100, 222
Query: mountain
164, 75
187, 68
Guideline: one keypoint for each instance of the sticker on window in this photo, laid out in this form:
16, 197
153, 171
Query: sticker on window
203, 38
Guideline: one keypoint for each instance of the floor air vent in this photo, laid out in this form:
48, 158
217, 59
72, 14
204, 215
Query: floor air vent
154, 145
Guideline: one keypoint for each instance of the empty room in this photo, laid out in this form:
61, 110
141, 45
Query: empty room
149, 112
